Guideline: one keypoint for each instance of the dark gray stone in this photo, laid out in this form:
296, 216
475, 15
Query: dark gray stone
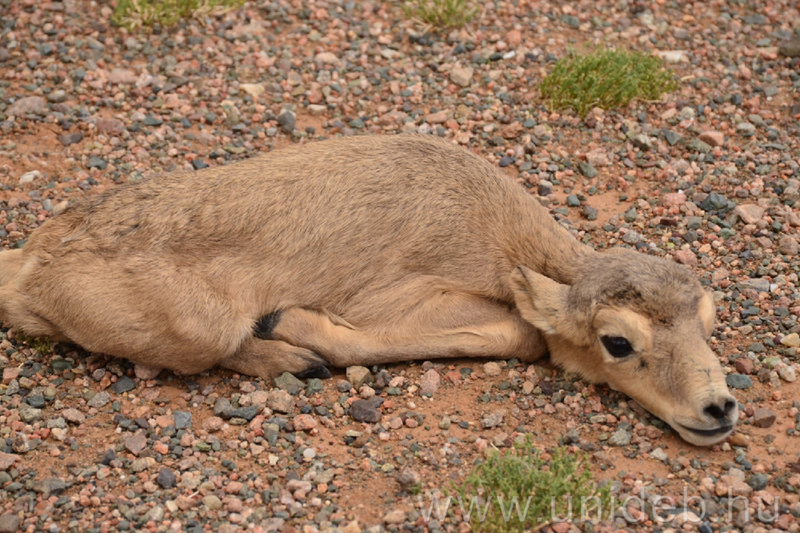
108, 457
289, 383
365, 411
150, 120
248, 413
313, 386
96, 162
671, 137
223, 408
738, 381
166, 479
123, 384
699, 146
286, 119
183, 419
714, 202
51, 485
758, 481
70, 138
587, 170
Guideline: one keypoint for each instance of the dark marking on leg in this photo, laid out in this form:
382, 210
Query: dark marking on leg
266, 325
319, 372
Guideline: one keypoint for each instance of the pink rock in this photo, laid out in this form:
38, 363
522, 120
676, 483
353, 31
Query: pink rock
73, 416
304, 422
514, 38
744, 365
436, 118
763, 418
24, 106
10, 374
561, 527
714, 138
110, 126
749, 213
121, 76
165, 420
7, 460
213, 424
686, 257
145, 372
136, 443
673, 199
429, 383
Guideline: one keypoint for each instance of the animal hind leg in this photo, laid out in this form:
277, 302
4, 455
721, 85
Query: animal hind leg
15, 313
268, 359
446, 325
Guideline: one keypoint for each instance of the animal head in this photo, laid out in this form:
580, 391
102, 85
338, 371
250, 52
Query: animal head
640, 324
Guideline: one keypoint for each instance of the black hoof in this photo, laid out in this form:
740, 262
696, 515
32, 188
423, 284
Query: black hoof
266, 325
319, 372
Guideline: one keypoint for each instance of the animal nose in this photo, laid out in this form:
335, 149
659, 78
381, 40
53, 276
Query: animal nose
721, 408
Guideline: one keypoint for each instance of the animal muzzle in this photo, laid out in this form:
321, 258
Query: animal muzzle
716, 420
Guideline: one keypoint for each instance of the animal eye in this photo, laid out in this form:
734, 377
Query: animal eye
617, 346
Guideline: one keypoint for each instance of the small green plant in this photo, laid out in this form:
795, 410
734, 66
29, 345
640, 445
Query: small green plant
441, 14
43, 345
519, 491
133, 14
605, 78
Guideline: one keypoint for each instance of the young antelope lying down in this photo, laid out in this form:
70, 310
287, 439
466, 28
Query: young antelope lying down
363, 251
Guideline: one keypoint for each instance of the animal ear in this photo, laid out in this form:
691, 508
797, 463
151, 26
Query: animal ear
540, 300
707, 311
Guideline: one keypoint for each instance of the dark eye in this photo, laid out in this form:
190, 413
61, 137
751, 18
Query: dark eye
617, 346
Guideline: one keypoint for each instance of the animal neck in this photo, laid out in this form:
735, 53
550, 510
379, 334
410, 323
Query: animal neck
546, 247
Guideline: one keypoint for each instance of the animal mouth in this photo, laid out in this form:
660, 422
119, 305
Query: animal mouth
709, 432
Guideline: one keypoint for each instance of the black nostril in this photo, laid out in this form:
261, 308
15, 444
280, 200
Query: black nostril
718, 412
714, 411
730, 405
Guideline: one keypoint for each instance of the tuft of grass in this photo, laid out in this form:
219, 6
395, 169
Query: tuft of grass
605, 78
43, 345
519, 491
441, 14
133, 14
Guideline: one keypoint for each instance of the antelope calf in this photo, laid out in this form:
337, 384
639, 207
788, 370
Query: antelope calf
363, 251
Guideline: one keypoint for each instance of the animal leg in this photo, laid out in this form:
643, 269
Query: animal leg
14, 312
269, 359
446, 326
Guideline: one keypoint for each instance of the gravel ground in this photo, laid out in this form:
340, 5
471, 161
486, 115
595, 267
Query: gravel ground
709, 176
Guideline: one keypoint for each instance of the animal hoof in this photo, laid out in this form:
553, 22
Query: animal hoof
319, 372
266, 325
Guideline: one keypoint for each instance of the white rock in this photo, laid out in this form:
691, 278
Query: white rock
253, 89
28, 177
673, 56
659, 454
492, 369
462, 76
792, 340
749, 213
327, 58
787, 373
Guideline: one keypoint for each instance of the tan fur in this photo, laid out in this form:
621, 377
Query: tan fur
360, 251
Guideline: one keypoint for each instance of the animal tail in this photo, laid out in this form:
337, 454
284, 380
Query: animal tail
10, 265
